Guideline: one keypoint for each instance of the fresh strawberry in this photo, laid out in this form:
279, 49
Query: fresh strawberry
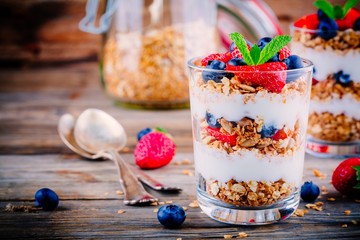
216, 56
154, 150
346, 179
226, 138
284, 53
309, 21
272, 80
348, 21
314, 81
280, 134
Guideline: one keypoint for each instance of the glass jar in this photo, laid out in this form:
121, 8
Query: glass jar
145, 47
334, 118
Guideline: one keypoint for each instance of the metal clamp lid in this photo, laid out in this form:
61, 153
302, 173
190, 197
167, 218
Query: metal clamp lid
87, 24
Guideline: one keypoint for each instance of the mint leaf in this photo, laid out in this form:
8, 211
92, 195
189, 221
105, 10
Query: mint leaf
240, 42
255, 53
276, 44
348, 5
357, 186
326, 7
338, 12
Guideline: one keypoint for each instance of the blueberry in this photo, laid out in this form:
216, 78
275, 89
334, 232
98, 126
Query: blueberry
212, 121
356, 25
232, 46
309, 192
47, 199
143, 132
268, 132
327, 29
171, 216
321, 15
237, 62
342, 78
263, 42
215, 76
275, 58
293, 62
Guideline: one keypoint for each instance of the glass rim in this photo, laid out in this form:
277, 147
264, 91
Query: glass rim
308, 66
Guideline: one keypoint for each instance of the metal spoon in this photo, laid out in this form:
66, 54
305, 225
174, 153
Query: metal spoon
97, 135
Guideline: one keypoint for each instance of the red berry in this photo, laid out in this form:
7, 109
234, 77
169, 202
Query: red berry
344, 177
216, 56
226, 138
154, 150
272, 81
349, 20
280, 134
309, 21
314, 81
284, 53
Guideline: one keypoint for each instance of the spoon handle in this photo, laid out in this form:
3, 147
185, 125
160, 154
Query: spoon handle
134, 192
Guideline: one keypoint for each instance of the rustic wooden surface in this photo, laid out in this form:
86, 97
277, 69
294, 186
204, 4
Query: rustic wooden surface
32, 156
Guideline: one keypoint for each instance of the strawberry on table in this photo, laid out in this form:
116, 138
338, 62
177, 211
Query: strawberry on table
226, 138
346, 177
154, 150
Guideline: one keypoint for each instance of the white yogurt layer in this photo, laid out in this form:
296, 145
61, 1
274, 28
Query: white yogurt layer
245, 166
329, 61
347, 105
272, 108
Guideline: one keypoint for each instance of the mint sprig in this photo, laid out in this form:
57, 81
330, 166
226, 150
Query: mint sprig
335, 12
256, 56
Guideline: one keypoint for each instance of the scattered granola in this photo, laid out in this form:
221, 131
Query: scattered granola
318, 206
300, 212
121, 211
168, 202
243, 235
194, 204
156, 210
319, 174
228, 236
331, 199
347, 212
187, 172
185, 208
344, 225
22, 208
118, 192
354, 222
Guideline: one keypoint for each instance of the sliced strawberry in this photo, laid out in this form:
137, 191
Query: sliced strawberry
216, 56
309, 21
314, 81
215, 132
280, 134
349, 20
284, 53
268, 75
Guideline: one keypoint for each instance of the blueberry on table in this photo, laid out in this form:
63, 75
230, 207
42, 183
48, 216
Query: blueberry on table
327, 29
216, 76
171, 216
268, 131
143, 132
309, 192
47, 199
212, 120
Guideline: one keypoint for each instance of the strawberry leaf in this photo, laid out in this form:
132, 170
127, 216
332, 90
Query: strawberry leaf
240, 42
255, 53
348, 5
160, 129
357, 169
326, 7
273, 47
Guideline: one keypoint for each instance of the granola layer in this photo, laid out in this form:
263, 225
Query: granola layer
249, 193
330, 88
336, 128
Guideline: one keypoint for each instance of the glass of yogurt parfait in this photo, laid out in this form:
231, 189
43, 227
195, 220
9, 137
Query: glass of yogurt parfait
249, 113
332, 42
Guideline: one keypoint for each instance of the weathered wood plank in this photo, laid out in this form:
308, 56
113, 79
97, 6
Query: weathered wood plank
89, 203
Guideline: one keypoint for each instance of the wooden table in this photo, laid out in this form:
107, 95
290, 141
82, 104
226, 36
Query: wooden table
32, 156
